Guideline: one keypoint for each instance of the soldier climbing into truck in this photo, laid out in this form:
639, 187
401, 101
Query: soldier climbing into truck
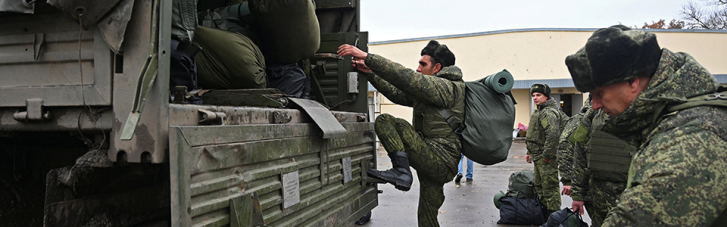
430, 145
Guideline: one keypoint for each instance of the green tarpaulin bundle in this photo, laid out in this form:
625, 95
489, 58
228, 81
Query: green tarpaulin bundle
228, 60
289, 29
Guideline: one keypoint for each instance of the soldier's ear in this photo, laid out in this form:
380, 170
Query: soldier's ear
437, 67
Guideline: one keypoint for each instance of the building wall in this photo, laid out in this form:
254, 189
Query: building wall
537, 55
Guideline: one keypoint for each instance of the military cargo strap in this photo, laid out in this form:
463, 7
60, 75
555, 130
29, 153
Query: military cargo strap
609, 157
456, 125
718, 98
715, 99
189, 47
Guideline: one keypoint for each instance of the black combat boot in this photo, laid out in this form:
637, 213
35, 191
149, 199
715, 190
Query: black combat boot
399, 175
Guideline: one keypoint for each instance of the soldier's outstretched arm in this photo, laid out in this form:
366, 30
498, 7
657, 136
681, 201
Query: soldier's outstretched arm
678, 180
431, 90
390, 91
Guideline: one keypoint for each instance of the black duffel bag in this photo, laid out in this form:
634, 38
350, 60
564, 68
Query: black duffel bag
521, 211
565, 218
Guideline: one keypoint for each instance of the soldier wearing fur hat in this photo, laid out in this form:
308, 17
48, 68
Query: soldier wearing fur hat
430, 145
542, 145
677, 174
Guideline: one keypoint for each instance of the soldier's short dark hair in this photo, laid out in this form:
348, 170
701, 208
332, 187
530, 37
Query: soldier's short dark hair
440, 53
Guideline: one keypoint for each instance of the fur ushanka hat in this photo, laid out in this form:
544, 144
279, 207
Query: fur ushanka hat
439, 52
542, 88
613, 55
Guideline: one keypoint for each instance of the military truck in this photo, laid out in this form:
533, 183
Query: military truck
91, 134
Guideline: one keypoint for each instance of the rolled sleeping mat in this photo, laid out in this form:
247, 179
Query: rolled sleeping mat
496, 199
500, 82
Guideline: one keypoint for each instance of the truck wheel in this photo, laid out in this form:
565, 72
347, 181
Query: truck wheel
365, 219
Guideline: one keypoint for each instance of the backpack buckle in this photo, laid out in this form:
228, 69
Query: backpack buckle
460, 128
452, 122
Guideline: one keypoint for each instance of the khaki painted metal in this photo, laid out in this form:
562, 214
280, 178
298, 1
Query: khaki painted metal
149, 141
214, 165
40, 61
33, 47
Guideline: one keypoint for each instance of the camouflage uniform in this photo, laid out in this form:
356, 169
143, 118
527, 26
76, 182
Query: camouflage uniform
677, 176
599, 195
565, 146
542, 142
432, 146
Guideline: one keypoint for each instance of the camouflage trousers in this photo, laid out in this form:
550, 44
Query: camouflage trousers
603, 195
433, 172
596, 221
547, 185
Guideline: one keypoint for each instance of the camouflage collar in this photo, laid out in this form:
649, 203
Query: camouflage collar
452, 73
550, 103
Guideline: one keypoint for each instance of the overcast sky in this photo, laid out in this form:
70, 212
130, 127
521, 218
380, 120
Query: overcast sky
401, 19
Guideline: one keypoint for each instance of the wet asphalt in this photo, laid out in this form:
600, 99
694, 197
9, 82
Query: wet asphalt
466, 204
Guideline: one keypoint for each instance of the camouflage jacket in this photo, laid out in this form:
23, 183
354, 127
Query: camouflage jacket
677, 176
444, 89
602, 193
565, 146
544, 132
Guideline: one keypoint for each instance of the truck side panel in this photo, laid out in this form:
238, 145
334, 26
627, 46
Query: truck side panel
214, 165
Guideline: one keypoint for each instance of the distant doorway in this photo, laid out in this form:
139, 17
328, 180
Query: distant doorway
566, 104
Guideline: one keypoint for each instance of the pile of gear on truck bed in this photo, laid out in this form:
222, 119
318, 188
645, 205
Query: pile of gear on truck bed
250, 45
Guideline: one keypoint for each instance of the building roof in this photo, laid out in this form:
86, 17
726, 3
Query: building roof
533, 30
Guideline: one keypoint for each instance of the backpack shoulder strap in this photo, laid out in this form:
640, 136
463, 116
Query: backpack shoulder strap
456, 125
714, 99
718, 98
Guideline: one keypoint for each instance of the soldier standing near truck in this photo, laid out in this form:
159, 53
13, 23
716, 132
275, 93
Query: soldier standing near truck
431, 146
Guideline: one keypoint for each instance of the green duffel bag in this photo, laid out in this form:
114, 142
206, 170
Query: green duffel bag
228, 60
289, 29
522, 184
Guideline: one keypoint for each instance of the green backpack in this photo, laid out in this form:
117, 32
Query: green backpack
489, 114
522, 184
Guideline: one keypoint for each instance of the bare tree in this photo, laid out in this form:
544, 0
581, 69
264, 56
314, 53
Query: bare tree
661, 24
710, 14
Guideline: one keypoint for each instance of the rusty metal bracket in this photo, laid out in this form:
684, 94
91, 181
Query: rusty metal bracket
180, 92
281, 117
146, 79
210, 117
34, 111
38, 44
